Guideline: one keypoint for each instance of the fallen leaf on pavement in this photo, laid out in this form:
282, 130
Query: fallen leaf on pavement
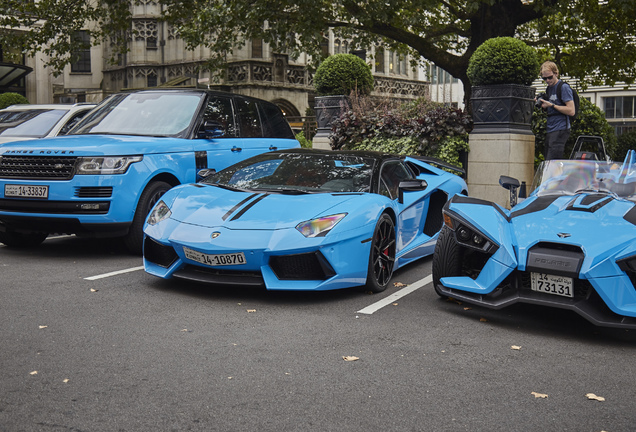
400, 284
43, 327
515, 347
539, 395
94, 290
483, 320
33, 373
350, 358
395, 304
467, 308
65, 380
592, 396
251, 310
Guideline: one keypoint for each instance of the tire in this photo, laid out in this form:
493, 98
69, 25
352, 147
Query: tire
135, 238
382, 255
14, 239
447, 258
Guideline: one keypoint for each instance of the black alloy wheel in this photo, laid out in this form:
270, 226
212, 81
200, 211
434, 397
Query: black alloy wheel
382, 256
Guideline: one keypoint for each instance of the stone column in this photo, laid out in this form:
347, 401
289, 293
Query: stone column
501, 142
493, 155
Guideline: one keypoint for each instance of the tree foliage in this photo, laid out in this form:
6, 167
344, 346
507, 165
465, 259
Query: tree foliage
590, 39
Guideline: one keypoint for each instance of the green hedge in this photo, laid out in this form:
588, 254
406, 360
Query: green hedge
625, 142
420, 127
8, 99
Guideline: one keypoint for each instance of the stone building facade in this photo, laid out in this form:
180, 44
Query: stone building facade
157, 56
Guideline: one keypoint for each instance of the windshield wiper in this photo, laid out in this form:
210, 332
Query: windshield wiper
286, 191
226, 187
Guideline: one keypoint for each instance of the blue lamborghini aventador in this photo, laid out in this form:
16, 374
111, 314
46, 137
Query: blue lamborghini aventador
301, 220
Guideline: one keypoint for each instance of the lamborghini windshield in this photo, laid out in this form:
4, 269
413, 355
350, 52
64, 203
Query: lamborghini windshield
162, 114
298, 173
569, 177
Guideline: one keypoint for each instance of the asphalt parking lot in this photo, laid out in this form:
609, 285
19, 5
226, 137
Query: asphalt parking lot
90, 342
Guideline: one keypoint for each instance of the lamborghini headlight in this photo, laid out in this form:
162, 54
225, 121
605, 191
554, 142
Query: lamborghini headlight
106, 165
160, 212
319, 227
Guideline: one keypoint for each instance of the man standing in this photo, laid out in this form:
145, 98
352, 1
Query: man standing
560, 107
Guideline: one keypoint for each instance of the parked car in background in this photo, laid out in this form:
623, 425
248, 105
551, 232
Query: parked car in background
104, 177
301, 220
24, 122
571, 244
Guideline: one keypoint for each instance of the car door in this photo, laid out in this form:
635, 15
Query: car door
221, 145
412, 210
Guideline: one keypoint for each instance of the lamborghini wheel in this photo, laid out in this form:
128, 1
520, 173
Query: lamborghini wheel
382, 256
446, 259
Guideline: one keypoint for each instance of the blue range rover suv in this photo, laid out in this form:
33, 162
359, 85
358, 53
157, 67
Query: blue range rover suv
103, 178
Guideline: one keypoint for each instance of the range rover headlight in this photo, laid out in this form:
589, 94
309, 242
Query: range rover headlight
160, 212
319, 227
106, 165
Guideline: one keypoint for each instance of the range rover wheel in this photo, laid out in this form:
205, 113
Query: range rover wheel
13, 239
382, 256
446, 258
135, 237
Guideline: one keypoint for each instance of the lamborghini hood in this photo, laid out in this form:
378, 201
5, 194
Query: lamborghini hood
195, 205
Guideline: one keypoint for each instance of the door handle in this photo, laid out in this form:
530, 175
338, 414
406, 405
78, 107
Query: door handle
236, 149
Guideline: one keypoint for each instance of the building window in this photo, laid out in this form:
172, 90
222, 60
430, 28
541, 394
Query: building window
324, 47
257, 48
397, 64
379, 60
82, 57
151, 80
619, 107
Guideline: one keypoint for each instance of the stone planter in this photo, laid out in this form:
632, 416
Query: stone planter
327, 108
504, 108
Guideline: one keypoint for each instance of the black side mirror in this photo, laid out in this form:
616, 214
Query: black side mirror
211, 129
206, 172
410, 186
512, 184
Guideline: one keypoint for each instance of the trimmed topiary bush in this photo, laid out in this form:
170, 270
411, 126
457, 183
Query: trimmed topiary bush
340, 74
503, 60
8, 99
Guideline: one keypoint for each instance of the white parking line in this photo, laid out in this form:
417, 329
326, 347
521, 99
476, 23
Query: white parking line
115, 273
397, 295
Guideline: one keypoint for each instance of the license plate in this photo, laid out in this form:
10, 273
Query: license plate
551, 284
216, 259
26, 191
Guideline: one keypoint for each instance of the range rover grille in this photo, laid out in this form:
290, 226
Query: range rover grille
37, 167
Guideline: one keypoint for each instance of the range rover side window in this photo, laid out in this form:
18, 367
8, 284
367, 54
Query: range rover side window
274, 123
248, 117
219, 110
